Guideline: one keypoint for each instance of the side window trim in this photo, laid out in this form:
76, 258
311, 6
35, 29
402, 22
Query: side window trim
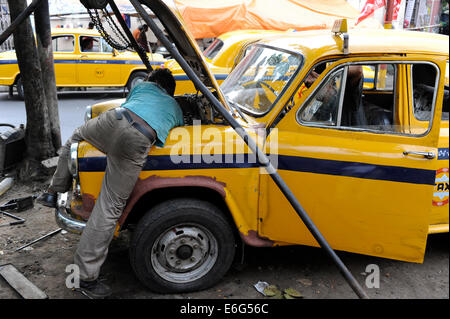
341, 96
347, 128
62, 36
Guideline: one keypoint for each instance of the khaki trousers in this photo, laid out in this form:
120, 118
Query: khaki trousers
126, 151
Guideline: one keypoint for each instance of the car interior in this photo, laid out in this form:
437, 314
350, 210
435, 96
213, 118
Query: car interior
363, 96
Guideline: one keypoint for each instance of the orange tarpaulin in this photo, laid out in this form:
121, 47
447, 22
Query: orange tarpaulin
211, 18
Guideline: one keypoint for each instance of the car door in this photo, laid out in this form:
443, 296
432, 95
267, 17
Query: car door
65, 59
97, 65
420, 116
362, 173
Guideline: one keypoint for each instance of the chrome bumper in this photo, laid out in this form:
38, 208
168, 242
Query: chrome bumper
64, 219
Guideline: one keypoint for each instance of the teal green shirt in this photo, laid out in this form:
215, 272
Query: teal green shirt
160, 110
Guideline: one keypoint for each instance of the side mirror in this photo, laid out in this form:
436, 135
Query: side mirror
115, 52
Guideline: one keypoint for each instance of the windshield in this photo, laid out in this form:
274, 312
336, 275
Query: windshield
255, 84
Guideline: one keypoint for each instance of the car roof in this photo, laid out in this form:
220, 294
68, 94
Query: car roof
93, 32
323, 42
238, 35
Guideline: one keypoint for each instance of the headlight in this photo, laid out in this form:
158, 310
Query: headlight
88, 113
73, 166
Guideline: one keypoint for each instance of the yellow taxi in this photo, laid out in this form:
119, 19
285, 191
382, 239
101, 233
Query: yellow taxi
82, 58
370, 166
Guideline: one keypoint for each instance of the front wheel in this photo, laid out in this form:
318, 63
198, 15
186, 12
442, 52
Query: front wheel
182, 245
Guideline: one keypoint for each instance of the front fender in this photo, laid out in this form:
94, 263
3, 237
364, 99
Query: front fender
144, 186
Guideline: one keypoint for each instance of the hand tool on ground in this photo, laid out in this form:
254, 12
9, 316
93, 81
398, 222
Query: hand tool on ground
17, 222
19, 204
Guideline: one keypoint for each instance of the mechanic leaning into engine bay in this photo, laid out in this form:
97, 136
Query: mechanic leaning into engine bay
125, 134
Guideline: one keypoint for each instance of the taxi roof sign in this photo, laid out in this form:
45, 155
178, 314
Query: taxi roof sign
340, 26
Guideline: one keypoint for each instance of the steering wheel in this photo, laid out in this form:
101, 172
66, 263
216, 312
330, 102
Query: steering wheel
260, 93
262, 83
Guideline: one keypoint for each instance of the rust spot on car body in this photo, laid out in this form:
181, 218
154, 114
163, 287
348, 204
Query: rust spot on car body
253, 239
83, 206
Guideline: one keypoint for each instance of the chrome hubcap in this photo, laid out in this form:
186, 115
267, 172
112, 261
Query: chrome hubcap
184, 253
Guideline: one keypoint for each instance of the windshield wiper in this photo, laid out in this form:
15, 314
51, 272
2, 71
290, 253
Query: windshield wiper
236, 108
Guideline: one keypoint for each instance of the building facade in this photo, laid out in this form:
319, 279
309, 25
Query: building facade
419, 15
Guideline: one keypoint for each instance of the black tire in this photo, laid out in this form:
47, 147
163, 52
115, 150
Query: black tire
136, 78
19, 88
182, 245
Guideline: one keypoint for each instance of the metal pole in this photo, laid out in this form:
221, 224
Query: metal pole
262, 158
389, 14
40, 238
25, 14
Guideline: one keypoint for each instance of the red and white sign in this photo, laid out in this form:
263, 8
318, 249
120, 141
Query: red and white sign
369, 8
441, 188
396, 8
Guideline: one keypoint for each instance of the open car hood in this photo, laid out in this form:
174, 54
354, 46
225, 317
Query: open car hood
169, 16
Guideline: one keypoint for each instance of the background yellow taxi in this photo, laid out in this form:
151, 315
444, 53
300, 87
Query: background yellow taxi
227, 50
84, 59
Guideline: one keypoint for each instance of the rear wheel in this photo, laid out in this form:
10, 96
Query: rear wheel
182, 245
136, 78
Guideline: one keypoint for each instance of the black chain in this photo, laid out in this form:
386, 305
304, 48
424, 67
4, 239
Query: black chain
117, 31
98, 24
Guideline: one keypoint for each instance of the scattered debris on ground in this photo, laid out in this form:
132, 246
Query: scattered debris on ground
295, 271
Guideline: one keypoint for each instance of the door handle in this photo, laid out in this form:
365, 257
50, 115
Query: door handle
427, 155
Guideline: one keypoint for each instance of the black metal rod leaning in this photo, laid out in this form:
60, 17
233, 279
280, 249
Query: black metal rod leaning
40, 238
136, 47
25, 14
262, 158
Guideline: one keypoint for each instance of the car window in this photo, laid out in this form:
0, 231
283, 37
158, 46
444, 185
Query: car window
379, 77
90, 44
256, 83
324, 105
63, 43
362, 96
106, 48
423, 85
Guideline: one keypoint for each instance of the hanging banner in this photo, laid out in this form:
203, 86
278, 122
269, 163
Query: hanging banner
408, 13
422, 16
396, 8
369, 8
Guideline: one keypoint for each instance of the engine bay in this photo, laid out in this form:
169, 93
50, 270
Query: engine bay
196, 107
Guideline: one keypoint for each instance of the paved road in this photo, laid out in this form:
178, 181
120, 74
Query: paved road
71, 109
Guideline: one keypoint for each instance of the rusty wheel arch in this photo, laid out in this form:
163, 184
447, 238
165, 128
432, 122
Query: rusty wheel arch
154, 189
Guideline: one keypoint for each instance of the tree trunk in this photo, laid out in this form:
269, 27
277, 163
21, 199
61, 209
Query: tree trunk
38, 136
45, 52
